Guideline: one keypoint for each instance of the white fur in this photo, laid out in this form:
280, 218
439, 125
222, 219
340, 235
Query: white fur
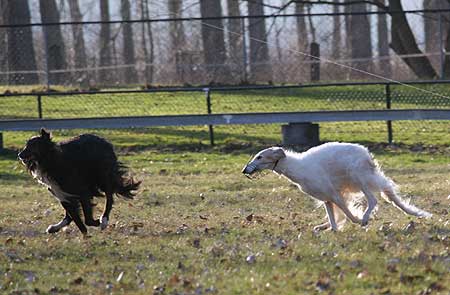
46, 181
334, 173
104, 222
56, 227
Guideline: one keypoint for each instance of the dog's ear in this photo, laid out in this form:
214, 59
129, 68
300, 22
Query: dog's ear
45, 134
279, 152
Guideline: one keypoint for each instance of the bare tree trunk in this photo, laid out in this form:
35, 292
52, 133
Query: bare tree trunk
128, 44
79, 47
56, 55
302, 32
383, 44
21, 56
360, 40
213, 42
105, 44
336, 41
236, 55
260, 67
447, 50
146, 31
348, 33
177, 40
431, 29
403, 42
3, 41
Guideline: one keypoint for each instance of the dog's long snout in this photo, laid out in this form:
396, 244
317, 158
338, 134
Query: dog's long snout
244, 170
23, 155
249, 168
20, 155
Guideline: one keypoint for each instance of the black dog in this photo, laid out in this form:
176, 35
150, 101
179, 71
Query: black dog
75, 171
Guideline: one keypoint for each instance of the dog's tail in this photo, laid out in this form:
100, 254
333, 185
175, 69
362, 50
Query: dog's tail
389, 193
126, 185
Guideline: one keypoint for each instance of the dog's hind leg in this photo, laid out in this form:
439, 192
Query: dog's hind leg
88, 214
107, 210
73, 209
371, 203
341, 204
53, 228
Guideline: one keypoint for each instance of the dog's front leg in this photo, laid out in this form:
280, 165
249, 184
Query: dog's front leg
53, 228
330, 214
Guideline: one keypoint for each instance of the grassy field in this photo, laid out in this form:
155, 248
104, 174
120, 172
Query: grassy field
200, 227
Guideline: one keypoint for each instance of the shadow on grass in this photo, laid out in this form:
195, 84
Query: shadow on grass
198, 141
240, 143
8, 154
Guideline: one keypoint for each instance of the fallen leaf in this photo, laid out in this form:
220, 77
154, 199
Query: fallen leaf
196, 243
77, 281
324, 282
409, 228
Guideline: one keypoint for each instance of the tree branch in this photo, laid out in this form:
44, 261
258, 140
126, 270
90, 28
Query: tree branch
377, 3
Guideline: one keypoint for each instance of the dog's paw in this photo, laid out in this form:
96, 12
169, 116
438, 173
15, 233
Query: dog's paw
53, 228
322, 227
104, 223
95, 222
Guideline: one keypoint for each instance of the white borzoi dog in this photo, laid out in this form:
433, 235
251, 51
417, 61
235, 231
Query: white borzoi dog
334, 173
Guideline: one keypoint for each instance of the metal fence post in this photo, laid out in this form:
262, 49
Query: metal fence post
388, 106
39, 105
208, 107
441, 47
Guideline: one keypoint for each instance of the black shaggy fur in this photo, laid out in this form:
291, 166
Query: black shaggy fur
75, 171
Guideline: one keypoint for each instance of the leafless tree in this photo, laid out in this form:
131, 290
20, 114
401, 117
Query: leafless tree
177, 39
260, 68
336, 39
213, 41
404, 43
3, 40
79, 47
235, 32
147, 49
383, 43
21, 55
54, 42
360, 39
128, 44
105, 46
402, 37
302, 32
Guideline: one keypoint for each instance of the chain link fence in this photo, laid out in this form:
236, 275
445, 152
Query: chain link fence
227, 50
266, 99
